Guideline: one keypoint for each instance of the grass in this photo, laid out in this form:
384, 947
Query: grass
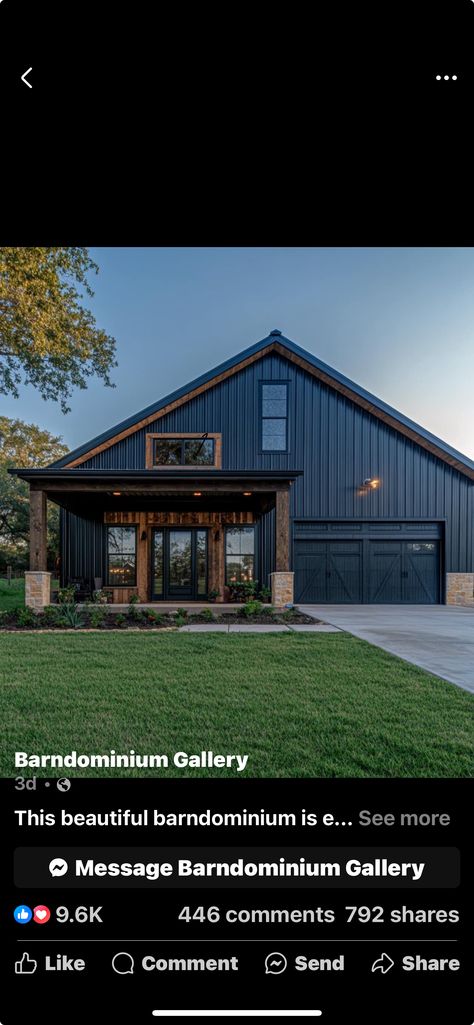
12, 596
299, 705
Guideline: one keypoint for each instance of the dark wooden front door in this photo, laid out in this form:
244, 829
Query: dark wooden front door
179, 564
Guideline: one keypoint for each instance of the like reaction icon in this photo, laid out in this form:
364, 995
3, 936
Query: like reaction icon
26, 966
22, 914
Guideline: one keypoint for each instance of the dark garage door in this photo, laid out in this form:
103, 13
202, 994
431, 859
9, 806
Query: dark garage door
404, 572
392, 572
328, 571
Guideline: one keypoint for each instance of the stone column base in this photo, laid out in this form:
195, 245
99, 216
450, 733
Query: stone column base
37, 589
282, 588
460, 589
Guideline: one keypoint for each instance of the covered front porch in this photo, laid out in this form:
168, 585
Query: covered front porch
164, 537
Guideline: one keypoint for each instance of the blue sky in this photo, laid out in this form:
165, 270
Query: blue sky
398, 321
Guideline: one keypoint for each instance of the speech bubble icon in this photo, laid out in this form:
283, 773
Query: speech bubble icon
58, 867
123, 963
275, 963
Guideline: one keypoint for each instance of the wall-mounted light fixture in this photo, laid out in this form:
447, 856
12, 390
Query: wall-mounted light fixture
247, 494
371, 482
197, 494
116, 492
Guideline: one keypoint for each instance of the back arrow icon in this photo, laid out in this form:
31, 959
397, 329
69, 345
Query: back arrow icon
384, 964
23, 78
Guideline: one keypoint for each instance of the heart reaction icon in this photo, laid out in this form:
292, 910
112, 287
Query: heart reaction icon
41, 914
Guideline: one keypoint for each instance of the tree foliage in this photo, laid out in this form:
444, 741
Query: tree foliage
24, 444
48, 339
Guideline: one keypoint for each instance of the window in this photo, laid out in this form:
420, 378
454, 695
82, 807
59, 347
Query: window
239, 554
274, 417
184, 452
121, 556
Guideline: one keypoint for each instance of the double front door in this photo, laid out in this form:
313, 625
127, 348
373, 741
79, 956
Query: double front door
179, 564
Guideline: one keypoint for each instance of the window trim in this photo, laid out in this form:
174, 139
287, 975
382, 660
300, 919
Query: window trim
181, 436
126, 526
240, 526
274, 451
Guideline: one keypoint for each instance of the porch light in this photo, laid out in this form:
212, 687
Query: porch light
197, 494
247, 494
116, 492
371, 482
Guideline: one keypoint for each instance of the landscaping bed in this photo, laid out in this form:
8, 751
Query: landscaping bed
69, 616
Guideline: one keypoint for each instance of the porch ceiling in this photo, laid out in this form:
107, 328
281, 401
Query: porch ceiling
94, 491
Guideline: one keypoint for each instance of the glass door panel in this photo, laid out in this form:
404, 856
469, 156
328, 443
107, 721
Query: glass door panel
157, 586
180, 575
201, 563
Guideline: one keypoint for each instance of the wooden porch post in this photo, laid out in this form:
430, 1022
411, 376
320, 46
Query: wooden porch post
282, 558
282, 579
38, 524
37, 579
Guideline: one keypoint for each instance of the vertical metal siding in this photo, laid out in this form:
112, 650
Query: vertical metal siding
335, 442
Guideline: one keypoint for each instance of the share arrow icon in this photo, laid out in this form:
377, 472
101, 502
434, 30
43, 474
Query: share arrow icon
383, 964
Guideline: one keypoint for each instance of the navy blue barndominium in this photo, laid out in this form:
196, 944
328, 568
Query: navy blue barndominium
270, 467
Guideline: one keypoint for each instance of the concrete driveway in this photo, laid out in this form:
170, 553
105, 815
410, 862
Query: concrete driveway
439, 638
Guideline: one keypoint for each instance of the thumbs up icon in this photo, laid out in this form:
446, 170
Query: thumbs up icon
26, 966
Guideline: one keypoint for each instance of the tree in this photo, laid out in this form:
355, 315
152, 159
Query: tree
47, 338
24, 445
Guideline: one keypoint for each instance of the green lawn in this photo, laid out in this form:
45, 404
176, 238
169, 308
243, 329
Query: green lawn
12, 595
299, 705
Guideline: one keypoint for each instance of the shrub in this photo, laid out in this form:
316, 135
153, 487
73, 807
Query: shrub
214, 593
67, 595
181, 617
243, 591
252, 608
134, 613
51, 616
120, 620
289, 614
265, 593
70, 616
134, 599
97, 616
100, 597
25, 617
206, 616
155, 618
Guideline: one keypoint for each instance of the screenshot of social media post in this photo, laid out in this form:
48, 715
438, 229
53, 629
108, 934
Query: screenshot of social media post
236, 633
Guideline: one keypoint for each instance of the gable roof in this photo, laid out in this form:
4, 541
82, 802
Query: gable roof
274, 342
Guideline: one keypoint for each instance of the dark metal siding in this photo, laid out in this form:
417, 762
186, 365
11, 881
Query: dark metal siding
82, 547
335, 442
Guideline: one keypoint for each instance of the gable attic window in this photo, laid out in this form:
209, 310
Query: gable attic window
274, 415
183, 450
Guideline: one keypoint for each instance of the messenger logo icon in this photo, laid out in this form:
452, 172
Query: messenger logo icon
58, 867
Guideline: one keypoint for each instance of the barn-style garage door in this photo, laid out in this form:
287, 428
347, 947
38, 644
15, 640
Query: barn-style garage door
405, 572
367, 570
332, 571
